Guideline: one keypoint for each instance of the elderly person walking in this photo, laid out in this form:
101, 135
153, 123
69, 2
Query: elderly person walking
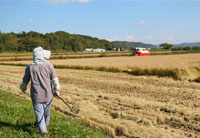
42, 76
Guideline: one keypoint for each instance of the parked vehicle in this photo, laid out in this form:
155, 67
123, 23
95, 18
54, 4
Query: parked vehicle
138, 51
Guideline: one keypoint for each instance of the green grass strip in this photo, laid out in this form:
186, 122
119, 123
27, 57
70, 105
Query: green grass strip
17, 120
172, 73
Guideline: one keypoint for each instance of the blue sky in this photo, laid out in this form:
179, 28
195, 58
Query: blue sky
148, 21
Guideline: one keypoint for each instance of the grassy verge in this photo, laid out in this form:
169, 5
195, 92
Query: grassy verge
172, 73
165, 52
17, 120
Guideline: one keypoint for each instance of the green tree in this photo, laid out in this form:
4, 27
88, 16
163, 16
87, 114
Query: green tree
1, 48
166, 46
76, 45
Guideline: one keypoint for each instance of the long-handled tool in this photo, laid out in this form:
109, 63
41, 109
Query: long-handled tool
59, 98
65, 103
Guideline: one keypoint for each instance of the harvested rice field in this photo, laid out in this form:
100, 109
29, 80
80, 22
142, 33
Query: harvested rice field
182, 66
124, 105
161, 61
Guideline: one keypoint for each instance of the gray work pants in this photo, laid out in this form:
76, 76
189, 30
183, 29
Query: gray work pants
42, 114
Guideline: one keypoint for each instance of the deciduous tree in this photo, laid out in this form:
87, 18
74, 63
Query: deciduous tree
166, 46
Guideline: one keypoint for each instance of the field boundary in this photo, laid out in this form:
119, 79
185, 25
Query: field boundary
66, 56
174, 73
57, 56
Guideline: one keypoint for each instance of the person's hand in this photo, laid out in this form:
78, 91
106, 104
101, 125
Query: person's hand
57, 93
23, 87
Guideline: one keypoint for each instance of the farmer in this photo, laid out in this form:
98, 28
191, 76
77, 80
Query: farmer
42, 76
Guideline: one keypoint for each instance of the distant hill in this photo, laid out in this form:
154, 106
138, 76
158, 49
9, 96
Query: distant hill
187, 44
130, 45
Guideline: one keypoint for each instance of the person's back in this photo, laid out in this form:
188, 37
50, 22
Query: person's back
41, 76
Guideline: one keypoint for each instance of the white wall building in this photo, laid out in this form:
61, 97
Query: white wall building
88, 50
94, 50
99, 50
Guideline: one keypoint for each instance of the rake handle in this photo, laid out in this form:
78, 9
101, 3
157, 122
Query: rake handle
59, 98
65, 103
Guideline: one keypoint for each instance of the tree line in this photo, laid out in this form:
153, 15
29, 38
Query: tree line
57, 41
186, 48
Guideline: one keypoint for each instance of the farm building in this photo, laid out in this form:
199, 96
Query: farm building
94, 50
99, 50
88, 50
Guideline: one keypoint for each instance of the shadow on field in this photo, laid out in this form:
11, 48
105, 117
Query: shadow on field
26, 127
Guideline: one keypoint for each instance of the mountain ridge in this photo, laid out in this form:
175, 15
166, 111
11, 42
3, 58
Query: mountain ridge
187, 44
129, 45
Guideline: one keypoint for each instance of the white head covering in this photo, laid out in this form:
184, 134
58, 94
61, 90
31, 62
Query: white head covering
46, 54
40, 55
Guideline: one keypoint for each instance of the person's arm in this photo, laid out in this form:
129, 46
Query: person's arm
56, 85
26, 79
55, 81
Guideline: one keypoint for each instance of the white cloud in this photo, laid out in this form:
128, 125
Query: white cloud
148, 37
158, 22
170, 38
152, 22
132, 38
81, 1
56, 2
161, 22
30, 21
141, 22
167, 39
